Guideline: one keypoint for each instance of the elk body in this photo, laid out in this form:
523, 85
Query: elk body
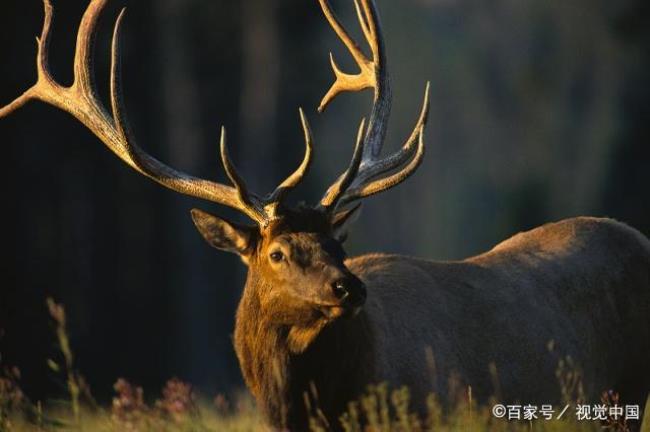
583, 283
311, 321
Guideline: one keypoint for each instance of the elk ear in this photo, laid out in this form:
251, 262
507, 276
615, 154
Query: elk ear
225, 235
342, 221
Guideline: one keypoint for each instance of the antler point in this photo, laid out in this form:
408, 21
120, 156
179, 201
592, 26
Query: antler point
16, 103
331, 94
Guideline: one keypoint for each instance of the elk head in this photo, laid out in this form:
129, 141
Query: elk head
295, 254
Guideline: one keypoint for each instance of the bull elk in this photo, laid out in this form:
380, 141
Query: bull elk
310, 317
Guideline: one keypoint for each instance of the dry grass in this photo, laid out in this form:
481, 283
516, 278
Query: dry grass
180, 409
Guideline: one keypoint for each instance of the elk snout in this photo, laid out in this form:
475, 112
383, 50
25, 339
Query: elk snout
350, 291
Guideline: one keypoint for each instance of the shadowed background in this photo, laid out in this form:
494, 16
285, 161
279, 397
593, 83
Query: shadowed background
539, 112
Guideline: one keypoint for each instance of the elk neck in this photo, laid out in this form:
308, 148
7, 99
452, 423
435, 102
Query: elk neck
338, 362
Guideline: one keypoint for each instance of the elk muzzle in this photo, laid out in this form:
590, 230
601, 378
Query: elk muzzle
350, 291
350, 294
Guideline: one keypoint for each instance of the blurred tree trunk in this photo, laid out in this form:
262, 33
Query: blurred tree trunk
181, 137
259, 95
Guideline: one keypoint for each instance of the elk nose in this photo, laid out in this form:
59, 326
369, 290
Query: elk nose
340, 289
349, 290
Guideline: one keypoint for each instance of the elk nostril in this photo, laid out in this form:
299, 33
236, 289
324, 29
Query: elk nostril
340, 289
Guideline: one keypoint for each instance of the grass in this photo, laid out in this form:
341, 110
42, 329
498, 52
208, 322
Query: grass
180, 409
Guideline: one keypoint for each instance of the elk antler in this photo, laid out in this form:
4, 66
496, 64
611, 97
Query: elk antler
81, 101
369, 174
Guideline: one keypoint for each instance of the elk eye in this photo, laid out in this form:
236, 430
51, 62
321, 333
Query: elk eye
276, 256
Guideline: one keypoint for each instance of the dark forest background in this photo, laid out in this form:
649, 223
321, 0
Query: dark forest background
539, 112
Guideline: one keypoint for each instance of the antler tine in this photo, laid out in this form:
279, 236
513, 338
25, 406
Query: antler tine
115, 83
373, 71
251, 205
365, 190
296, 177
83, 73
81, 101
44, 79
335, 192
401, 156
366, 78
347, 82
17, 103
404, 162
367, 179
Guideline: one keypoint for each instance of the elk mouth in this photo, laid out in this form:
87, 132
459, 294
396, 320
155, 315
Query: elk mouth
334, 312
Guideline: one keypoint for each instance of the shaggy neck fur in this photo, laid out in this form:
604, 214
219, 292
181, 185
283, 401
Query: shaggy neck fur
336, 363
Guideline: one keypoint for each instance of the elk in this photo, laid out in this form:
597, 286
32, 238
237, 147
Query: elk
311, 318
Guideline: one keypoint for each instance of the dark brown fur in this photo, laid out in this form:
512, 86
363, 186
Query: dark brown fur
583, 283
